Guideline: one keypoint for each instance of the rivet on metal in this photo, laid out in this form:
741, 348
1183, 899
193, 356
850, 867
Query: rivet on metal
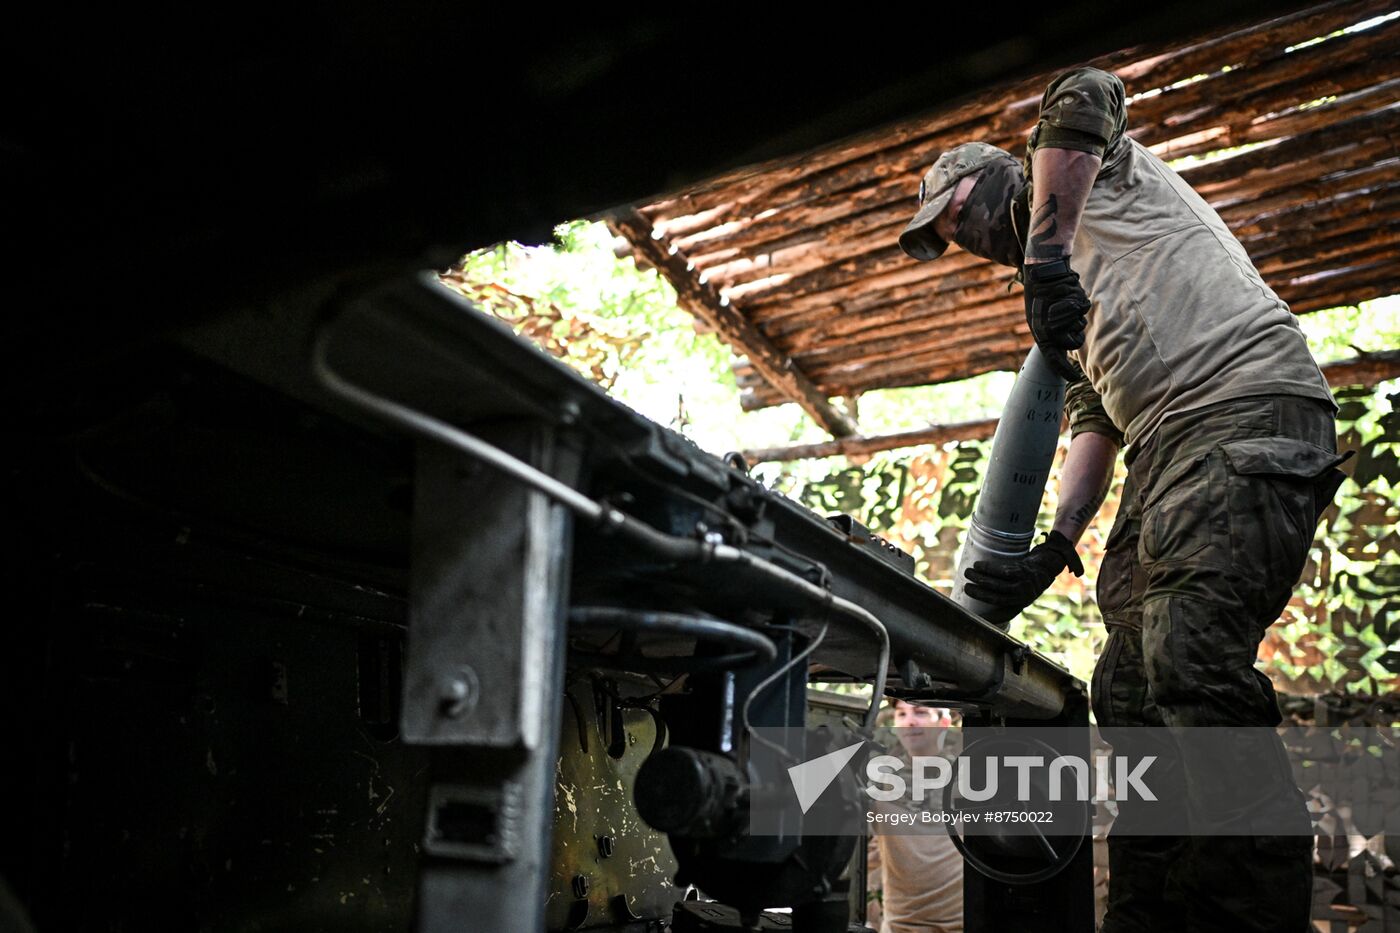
459, 693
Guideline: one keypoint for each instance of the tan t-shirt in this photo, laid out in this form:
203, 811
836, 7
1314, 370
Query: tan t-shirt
922, 883
920, 874
1179, 316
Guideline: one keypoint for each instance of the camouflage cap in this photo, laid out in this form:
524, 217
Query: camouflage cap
918, 239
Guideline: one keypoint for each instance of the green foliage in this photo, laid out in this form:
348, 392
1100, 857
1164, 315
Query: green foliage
1338, 333
673, 375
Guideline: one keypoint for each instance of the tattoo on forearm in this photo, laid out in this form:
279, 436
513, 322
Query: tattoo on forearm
1043, 229
1081, 516
1085, 512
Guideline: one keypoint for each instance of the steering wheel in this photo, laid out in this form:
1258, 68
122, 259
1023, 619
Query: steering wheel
1016, 850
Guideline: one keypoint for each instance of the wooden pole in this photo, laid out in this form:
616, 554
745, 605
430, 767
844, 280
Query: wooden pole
704, 303
1366, 369
856, 446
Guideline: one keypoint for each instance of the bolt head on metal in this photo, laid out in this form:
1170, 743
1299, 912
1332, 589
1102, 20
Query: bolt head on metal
459, 693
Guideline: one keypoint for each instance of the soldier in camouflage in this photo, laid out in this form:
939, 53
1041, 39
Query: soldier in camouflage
1174, 348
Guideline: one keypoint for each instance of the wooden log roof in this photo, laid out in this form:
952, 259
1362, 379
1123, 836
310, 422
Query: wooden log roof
1290, 128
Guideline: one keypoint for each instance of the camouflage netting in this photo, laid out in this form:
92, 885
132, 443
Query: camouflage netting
1339, 634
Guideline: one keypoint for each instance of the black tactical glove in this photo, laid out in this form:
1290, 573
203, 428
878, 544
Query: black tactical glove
1056, 311
1012, 584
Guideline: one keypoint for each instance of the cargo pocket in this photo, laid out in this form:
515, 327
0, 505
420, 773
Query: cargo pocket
1176, 518
1292, 461
1279, 489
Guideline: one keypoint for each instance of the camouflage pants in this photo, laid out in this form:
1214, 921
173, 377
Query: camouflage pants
1217, 516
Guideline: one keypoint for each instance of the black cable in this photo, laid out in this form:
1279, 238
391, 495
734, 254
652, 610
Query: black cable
756, 648
659, 741
578, 721
768, 682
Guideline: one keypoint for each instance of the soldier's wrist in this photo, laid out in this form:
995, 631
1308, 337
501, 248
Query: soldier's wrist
1042, 253
1039, 270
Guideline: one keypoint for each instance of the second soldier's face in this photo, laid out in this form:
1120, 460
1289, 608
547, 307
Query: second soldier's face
917, 726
